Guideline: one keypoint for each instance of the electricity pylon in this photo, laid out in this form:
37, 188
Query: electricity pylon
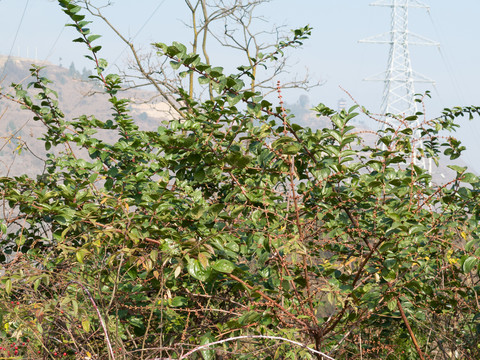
399, 78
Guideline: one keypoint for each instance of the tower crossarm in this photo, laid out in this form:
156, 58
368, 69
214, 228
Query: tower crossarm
390, 3
388, 38
417, 77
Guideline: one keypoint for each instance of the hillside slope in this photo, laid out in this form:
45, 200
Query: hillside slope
76, 97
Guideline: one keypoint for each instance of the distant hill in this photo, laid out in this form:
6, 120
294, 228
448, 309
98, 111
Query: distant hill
76, 97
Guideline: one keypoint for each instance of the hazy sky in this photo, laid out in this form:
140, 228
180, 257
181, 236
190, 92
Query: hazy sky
332, 55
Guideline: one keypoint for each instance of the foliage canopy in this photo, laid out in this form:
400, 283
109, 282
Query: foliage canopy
232, 220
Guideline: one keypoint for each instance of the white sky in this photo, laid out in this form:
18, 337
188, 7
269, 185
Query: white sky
332, 54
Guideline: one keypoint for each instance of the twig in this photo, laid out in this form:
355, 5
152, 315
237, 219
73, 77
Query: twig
107, 338
407, 324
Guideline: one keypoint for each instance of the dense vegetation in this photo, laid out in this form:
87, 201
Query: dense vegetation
232, 226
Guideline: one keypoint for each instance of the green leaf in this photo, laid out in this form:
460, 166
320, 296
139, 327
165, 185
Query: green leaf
80, 254
233, 98
86, 325
77, 17
36, 284
136, 322
469, 245
389, 276
8, 286
292, 149
92, 178
237, 159
178, 301
74, 9
254, 109
469, 178
196, 270
203, 259
458, 169
215, 209
386, 246
199, 175
392, 304
92, 38
208, 353
197, 211
251, 316
175, 64
216, 71
224, 266
191, 59
75, 307
469, 264
202, 80
415, 229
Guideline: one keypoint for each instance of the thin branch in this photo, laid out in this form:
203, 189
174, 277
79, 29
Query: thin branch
135, 55
205, 346
100, 318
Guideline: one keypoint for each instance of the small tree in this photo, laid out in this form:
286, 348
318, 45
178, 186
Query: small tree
232, 223
231, 25
72, 71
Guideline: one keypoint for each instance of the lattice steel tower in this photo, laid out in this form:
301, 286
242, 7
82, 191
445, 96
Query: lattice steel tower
399, 78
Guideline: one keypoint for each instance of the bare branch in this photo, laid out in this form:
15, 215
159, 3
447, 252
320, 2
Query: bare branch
206, 346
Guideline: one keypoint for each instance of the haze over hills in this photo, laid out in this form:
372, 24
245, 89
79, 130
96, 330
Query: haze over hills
79, 97
76, 97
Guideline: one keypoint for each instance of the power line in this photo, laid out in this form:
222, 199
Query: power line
139, 31
446, 61
126, 47
148, 20
15, 39
50, 52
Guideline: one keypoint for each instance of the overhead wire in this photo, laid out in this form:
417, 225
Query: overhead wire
457, 88
15, 38
138, 32
126, 47
52, 48
446, 61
